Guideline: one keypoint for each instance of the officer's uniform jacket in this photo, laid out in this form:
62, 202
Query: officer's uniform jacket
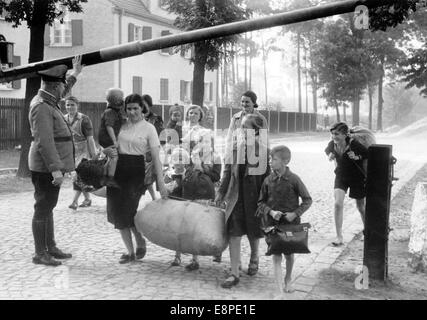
52, 147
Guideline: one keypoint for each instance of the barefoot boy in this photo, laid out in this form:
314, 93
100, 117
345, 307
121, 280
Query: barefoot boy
278, 203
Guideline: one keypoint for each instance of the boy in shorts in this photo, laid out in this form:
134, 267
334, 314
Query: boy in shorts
348, 155
278, 203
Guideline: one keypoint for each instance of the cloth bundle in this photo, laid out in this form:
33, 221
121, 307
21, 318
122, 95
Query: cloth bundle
184, 226
91, 173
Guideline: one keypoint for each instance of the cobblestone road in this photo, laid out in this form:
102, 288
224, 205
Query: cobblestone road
94, 271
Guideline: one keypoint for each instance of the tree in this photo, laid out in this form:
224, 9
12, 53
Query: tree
197, 14
384, 17
36, 14
414, 69
415, 72
404, 21
340, 63
306, 34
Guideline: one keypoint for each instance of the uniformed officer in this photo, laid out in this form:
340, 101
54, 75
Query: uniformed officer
51, 155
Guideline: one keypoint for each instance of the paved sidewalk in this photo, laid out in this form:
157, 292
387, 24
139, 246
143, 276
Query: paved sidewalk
94, 271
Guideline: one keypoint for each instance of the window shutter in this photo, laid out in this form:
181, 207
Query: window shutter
164, 89
77, 32
182, 90
211, 91
16, 62
191, 91
137, 85
47, 35
147, 33
131, 32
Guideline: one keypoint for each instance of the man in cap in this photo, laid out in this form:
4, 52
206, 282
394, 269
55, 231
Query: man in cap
51, 155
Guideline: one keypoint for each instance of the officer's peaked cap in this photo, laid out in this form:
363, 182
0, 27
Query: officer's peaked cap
54, 74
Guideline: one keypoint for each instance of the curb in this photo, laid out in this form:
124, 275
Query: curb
6, 171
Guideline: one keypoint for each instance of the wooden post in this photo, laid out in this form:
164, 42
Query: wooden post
378, 194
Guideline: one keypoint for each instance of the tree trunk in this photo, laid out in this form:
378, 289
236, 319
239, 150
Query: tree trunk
299, 73
306, 79
246, 62
314, 93
250, 72
356, 108
313, 77
237, 65
338, 112
264, 57
223, 67
380, 97
370, 94
36, 54
344, 112
226, 74
233, 69
199, 73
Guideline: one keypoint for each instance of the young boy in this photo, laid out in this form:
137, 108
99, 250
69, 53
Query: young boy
111, 122
278, 203
348, 155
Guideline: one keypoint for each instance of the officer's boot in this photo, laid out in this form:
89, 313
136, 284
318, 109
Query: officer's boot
50, 241
41, 256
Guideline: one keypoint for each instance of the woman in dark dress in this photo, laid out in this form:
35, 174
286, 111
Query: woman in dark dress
136, 138
240, 187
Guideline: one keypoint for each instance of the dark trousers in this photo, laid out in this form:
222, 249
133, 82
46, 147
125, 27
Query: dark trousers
46, 197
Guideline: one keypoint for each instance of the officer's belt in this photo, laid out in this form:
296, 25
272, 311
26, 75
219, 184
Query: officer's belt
59, 139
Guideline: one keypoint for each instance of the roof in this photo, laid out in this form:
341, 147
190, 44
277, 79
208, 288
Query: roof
137, 8
134, 6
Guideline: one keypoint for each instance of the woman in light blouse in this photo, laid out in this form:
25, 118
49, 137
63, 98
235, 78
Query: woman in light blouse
136, 138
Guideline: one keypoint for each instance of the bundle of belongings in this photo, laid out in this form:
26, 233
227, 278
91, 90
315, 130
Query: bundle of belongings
91, 174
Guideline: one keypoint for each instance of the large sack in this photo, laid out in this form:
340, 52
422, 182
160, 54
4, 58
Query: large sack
183, 226
363, 135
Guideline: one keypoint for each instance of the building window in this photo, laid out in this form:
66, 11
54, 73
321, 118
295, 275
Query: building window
164, 89
137, 33
166, 50
184, 91
12, 84
137, 85
147, 33
61, 33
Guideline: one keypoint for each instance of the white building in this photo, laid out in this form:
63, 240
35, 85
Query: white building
165, 75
